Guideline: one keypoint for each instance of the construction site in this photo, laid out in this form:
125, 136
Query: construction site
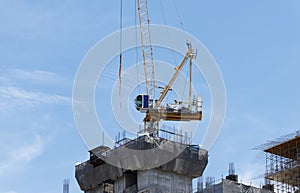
159, 160
95, 175
282, 172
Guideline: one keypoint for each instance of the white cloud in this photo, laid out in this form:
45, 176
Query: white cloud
36, 75
15, 76
22, 155
28, 152
3, 79
33, 20
251, 173
15, 97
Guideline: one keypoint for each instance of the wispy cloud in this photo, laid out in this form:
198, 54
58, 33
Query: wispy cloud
251, 173
22, 155
29, 152
36, 75
42, 19
3, 79
14, 96
15, 76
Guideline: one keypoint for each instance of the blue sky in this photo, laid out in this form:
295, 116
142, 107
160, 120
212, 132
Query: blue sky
255, 43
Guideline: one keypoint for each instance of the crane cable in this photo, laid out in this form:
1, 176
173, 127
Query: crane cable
121, 38
182, 27
178, 15
165, 22
169, 37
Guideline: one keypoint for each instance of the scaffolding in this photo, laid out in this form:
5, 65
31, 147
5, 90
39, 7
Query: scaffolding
282, 173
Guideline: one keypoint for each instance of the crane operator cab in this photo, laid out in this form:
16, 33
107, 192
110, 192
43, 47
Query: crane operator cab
142, 103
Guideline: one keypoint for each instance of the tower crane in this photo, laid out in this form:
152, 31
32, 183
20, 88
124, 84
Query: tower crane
155, 111
147, 51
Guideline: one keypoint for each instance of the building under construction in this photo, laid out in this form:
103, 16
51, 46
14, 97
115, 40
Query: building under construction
228, 185
98, 176
283, 164
121, 169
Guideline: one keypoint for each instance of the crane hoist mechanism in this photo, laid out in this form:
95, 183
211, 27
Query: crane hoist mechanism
145, 103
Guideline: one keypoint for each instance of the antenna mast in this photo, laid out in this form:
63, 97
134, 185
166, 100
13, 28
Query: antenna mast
66, 186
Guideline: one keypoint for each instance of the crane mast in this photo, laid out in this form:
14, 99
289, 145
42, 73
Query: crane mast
147, 51
146, 103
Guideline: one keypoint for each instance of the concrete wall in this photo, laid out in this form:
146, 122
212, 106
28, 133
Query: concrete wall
126, 183
227, 186
217, 188
119, 185
99, 189
190, 163
157, 181
103, 188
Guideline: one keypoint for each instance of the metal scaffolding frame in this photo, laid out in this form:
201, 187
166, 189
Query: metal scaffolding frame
283, 164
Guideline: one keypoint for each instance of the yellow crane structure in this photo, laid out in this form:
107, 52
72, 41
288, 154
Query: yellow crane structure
155, 111
147, 50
